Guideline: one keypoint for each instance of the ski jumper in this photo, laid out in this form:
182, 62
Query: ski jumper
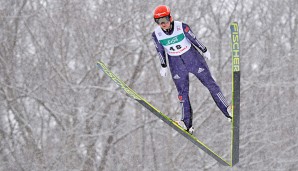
184, 58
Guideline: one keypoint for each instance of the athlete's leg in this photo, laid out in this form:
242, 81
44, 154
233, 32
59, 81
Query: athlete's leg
203, 74
181, 79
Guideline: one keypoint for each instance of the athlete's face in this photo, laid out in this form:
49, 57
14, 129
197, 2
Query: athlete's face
164, 22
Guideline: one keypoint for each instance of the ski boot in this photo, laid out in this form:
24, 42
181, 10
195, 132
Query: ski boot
229, 110
191, 130
181, 124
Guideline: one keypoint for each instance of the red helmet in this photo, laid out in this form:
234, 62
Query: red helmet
162, 11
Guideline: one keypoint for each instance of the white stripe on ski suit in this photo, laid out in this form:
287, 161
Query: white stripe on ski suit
161, 58
222, 99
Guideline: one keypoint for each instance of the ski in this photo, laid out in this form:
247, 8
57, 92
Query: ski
131, 93
235, 45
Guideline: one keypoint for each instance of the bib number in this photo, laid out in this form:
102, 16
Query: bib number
174, 48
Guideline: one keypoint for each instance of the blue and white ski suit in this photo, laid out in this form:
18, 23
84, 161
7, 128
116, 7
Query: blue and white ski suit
184, 58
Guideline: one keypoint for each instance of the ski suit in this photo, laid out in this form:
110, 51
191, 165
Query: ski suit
181, 46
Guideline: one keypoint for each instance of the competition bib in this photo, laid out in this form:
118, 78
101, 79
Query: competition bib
175, 44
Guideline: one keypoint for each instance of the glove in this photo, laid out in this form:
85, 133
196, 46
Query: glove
207, 55
163, 71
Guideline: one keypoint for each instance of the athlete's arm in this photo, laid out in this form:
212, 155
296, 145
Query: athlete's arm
160, 50
192, 38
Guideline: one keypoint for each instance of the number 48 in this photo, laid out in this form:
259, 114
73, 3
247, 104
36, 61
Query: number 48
177, 48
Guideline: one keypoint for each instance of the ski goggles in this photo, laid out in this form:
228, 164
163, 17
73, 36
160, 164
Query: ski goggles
162, 20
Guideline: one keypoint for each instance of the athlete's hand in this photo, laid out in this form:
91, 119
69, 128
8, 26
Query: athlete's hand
163, 71
207, 55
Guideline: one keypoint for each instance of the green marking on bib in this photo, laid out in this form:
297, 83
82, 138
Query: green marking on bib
172, 40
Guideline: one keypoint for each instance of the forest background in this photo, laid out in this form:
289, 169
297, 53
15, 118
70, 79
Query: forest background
59, 112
